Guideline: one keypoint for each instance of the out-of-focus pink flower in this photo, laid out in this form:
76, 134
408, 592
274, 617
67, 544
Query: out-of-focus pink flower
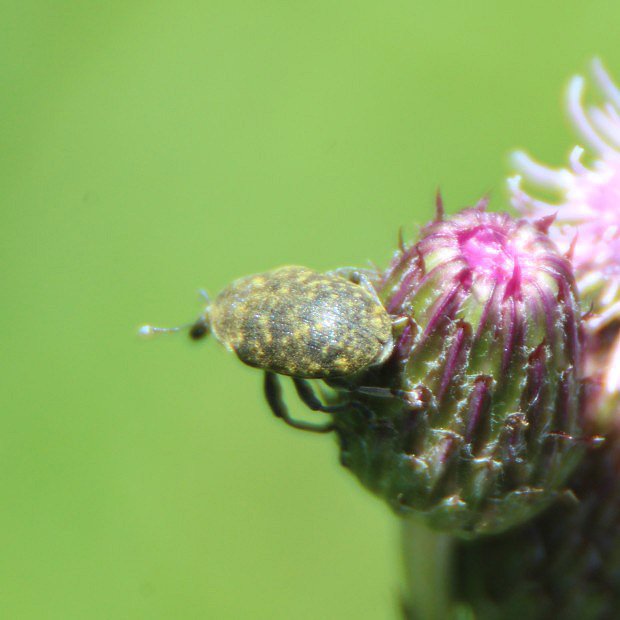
587, 221
587, 210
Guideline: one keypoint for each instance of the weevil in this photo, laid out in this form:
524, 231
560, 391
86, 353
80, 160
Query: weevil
296, 322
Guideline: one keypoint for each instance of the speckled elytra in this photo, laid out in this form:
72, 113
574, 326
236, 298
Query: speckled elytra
297, 322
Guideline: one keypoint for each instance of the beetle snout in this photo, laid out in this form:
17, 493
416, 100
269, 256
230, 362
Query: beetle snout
199, 330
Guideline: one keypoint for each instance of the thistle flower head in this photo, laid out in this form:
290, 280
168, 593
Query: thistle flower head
588, 197
587, 228
483, 427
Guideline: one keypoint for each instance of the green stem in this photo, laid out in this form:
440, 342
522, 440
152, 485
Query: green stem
427, 558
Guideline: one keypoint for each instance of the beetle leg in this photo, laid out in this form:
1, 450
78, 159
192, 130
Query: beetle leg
364, 281
360, 277
273, 394
414, 398
310, 399
400, 321
348, 273
363, 277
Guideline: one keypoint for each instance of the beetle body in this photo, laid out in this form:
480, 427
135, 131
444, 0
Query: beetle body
297, 322
307, 325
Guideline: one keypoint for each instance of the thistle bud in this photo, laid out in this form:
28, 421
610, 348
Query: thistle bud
482, 426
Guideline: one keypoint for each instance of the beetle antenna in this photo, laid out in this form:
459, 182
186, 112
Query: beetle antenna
197, 330
150, 330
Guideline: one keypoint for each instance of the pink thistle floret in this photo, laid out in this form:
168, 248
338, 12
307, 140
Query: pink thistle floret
588, 210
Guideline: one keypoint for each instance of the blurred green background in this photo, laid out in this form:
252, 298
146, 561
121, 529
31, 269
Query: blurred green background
152, 148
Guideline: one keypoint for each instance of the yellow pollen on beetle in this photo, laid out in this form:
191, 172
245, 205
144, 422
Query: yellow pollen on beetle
341, 363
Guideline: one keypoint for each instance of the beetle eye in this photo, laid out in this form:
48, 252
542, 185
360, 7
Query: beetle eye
198, 330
